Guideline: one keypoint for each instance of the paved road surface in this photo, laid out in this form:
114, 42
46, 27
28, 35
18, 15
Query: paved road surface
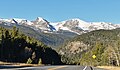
63, 67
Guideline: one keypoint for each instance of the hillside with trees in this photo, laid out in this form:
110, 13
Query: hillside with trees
17, 47
103, 44
53, 40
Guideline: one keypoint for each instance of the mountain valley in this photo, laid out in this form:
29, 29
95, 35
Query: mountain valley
74, 41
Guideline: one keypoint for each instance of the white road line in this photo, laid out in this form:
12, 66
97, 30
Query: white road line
85, 68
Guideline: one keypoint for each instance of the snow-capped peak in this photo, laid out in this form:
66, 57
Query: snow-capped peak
19, 20
72, 24
101, 25
39, 19
82, 24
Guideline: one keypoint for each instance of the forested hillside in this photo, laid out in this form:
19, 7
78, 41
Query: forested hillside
104, 44
53, 40
17, 47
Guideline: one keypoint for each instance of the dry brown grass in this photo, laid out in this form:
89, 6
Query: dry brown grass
109, 67
19, 64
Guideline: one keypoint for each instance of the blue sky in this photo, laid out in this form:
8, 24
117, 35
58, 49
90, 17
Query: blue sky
59, 10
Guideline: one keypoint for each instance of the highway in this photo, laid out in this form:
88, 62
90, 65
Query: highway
62, 67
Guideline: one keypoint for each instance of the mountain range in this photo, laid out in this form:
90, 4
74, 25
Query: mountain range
72, 25
55, 34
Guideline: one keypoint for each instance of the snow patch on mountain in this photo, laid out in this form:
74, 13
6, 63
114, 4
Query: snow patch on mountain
21, 21
101, 25
5, 20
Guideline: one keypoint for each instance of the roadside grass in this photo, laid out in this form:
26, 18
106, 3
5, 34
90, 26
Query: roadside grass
109, 67
19, 64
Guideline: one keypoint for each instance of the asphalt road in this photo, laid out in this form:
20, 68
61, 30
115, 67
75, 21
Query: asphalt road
62, 67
